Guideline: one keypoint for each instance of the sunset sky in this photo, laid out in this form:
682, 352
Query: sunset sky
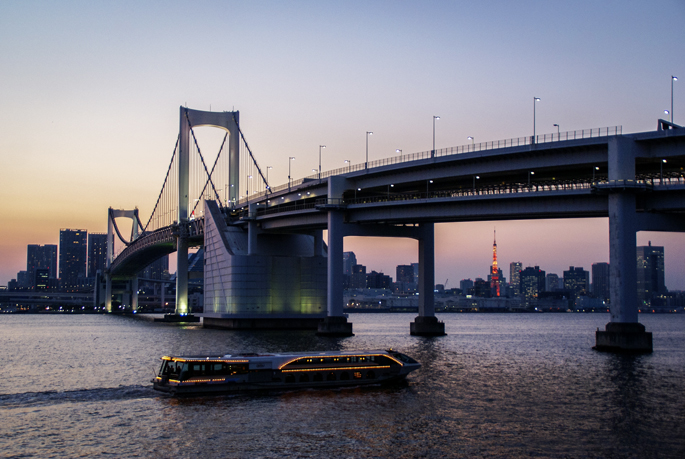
90, 93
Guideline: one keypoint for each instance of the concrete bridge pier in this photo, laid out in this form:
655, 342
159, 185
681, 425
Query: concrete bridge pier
335, 323
426, 324
624, 333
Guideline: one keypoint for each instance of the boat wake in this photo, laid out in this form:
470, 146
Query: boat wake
26, 399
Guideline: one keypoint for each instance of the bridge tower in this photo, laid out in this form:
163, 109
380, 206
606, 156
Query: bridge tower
227, 121
129, 288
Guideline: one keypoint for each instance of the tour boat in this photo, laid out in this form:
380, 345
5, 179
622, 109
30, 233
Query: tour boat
245, 372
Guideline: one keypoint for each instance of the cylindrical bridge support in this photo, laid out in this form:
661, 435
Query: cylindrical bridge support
426, 324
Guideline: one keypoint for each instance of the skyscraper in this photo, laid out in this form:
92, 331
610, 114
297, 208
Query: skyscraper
577, 280
41, 257
97, 253
532, 283
349, 260
515, 268
73, 249
600, 281
551, 282
650, 273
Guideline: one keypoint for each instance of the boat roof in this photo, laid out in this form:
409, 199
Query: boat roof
275, 357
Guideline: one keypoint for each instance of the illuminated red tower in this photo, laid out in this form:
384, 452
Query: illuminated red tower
494, 278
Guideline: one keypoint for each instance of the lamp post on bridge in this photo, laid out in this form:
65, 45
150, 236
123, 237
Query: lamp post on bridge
366, 164
289, 162
247, 187
596, 168
558, 131
399, 150
320, 147
535, 99
661, 175
673, 78
473, 141
347, 161
433, 150
475, 177
529, 174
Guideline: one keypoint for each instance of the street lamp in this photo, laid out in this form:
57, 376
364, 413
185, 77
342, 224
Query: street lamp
347, 161
558, 133
473, 141
366, 164
673, 78
289, 162
247, 186
596, 168
661, 178
399, 150
535, 99
433, 150
529, 174
475, 177
320, 147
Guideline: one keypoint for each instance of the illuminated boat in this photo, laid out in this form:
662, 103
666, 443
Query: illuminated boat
246, 372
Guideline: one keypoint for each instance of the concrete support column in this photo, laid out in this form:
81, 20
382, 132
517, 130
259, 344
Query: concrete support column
182, 276
624, 333
426, 324
318, 244
335, 323
134, 294
108, 293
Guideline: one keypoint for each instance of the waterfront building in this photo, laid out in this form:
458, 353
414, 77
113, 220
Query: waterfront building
97, 253
23, 279
551, 282
349, 260
577, 281
650, 273
465, 285
73, 251
481, 288
157, 270
358, 277
532, 283
378, 280
515, 268
600, 281
41, 257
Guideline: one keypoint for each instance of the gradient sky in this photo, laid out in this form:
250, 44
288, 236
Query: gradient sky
90, 93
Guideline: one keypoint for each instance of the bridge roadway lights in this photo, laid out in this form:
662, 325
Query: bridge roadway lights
178, 318
427, 326
335, 326
623, 337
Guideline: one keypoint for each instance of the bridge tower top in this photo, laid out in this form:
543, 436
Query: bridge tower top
227, 121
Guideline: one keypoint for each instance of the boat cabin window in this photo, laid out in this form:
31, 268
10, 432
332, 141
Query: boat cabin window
186, 370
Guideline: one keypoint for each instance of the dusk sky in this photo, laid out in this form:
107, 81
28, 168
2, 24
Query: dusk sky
90, 95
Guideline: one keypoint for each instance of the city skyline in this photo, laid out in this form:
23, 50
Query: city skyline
91, 95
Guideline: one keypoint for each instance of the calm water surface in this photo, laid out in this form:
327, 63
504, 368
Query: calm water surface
498, 385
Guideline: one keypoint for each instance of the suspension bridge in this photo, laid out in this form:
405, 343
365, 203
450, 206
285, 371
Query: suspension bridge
267, 265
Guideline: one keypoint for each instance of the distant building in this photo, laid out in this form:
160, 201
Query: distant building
650, 273
600, 281
157, 270
481, 288
577, 280
378, 280
515, 268
466, 285
349, 260
358, 277
551, 282
41, 257
23, 279
97, 253
73, 251
532, 283
42, 279
404, 276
